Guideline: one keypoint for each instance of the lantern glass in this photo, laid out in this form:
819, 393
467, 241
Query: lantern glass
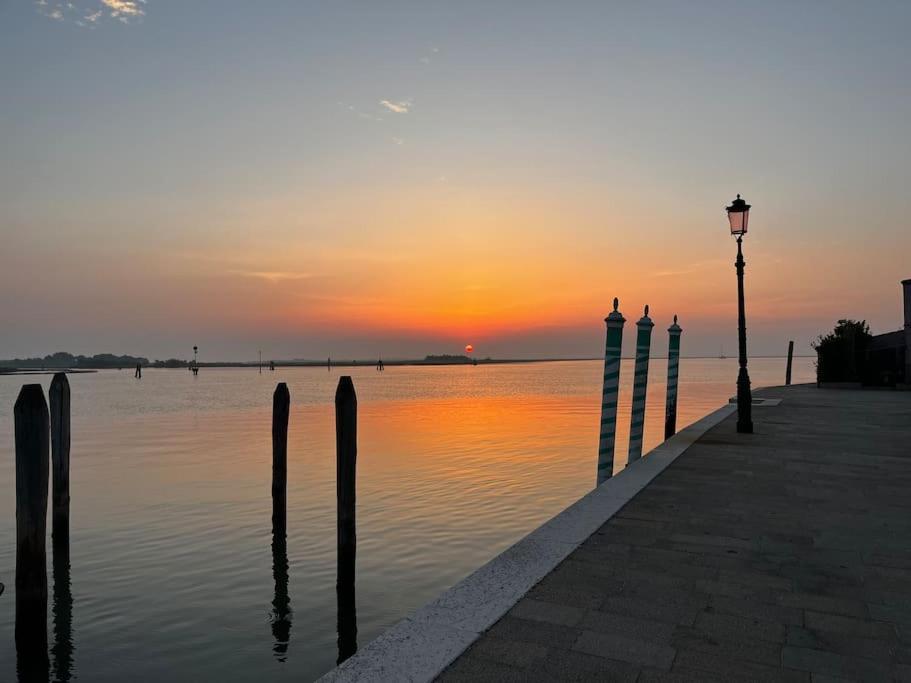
739, 221
738, 216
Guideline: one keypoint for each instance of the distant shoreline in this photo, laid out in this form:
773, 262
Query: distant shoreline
32, 370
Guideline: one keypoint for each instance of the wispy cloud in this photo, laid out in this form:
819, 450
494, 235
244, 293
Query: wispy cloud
688, 269
129, 8
273, 276
397, 107
427, 58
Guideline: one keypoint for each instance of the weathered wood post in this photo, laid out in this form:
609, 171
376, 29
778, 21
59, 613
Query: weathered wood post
32, 429
281, 601
612, 345
346, 462
281, 407
640, 385
673, 368
787, 374
59, 395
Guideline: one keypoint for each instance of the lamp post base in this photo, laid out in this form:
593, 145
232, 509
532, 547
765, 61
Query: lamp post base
744, 403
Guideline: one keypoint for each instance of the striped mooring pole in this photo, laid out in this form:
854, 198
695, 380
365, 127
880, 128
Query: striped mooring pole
640, 383
609, 393
673, 367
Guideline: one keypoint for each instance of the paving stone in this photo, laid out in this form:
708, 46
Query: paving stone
467, 668
726, 625
843, 644
571, 665
757, 609
823, 603
635, 651
727, 669
526, 631
673, 613
643, 629
814, 661
509, 652
537, 610
733, 646
818, 621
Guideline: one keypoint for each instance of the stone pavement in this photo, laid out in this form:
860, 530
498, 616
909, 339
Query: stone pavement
782, 555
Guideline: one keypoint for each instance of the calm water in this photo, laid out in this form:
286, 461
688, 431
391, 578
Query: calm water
171, 546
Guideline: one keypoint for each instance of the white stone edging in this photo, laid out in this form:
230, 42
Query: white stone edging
421, 646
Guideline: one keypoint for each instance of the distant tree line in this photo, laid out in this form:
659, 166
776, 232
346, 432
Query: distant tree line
61, 359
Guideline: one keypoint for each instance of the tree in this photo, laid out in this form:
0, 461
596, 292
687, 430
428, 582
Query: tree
841, 355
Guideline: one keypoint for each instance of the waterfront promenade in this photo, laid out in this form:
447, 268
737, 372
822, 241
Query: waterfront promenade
782, 555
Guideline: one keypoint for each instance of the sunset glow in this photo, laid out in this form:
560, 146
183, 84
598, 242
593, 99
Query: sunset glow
412, 202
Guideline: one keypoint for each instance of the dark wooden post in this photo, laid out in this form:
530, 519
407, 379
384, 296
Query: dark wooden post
787, 375
281, 602
346, 461
59, 396
32, 427
281, 406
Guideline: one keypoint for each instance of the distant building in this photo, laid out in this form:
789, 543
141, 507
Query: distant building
889, 359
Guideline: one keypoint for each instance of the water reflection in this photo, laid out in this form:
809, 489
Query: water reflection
32, 662
63, 612
347, 609
281, 600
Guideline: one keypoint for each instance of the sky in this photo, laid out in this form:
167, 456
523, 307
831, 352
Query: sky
358, 179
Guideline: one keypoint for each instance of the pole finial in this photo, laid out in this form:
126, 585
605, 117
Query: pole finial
616, 303
675, 318
646, 309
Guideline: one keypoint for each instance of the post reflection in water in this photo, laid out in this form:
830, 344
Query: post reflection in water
347, 610
281, 601
32, 662
63, 612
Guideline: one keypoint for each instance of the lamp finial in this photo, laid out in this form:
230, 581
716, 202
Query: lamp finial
646, 309
616, 303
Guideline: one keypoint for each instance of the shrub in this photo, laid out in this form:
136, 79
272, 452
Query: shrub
841, 355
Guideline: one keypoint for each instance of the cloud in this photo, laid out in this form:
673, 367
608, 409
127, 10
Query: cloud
273, 276
128, 8
88, 14
398, 141
690, 268
400, 107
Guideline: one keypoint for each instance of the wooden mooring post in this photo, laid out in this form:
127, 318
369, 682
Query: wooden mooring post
59, 395
346, 462
673, 372
281, 408
609, 393
787, 374
640, 385
281, 601
32, 435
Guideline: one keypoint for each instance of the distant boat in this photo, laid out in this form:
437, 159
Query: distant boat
721, 354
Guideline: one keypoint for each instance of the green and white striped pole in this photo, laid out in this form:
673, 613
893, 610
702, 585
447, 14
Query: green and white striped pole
673, 367
640, 383
609, 393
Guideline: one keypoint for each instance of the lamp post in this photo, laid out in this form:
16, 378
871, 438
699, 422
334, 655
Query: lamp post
738, 217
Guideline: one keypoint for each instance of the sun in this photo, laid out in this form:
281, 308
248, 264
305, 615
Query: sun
469, 348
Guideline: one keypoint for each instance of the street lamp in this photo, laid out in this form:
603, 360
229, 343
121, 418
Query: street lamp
739, 217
